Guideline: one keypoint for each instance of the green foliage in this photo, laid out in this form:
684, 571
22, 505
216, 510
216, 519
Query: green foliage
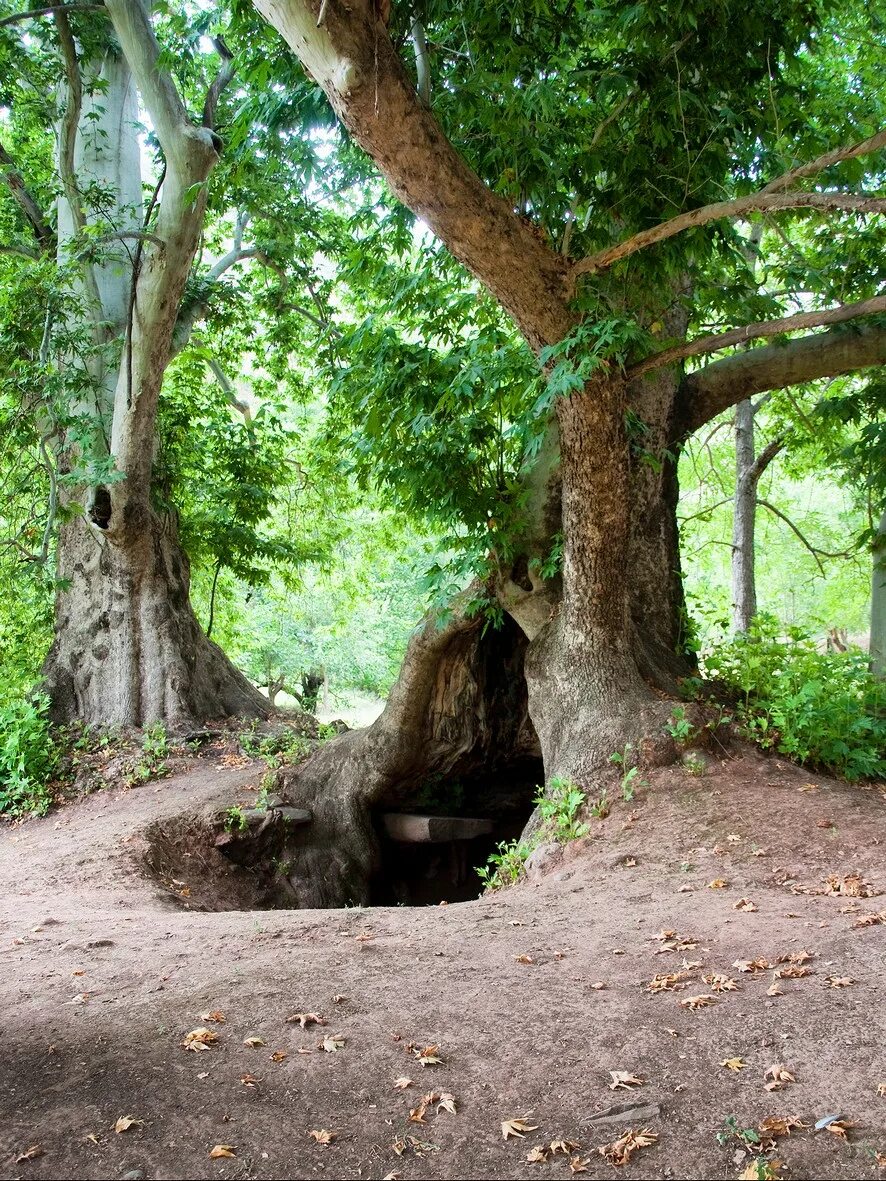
151, 760
679, 727
559, 805
630, 773
235, 819
825, 709
277, 750
505, 866
28, 756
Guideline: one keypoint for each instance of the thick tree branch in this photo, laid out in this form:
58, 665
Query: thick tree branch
182, 143
351, 57
818, 554
25, 201
863, 148
708, 391
49, 8
755, 203
219, 82
722, 340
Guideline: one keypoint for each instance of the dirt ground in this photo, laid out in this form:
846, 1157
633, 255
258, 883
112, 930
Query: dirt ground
532, 995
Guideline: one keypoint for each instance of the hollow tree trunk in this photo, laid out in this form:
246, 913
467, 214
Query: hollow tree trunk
459, 707
128, 649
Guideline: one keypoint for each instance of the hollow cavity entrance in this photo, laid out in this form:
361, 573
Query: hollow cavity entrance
433, 841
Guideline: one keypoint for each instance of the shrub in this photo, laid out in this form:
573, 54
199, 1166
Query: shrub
28, 756
825, 709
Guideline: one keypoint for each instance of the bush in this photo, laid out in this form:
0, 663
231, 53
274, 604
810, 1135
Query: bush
825, 709
28, 756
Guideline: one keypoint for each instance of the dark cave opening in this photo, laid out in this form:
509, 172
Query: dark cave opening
433, 840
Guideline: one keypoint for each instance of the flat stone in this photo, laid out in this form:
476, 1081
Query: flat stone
625, 1113
294, 815
414, 829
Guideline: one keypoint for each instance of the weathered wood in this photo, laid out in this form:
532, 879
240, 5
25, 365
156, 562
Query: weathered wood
414, 829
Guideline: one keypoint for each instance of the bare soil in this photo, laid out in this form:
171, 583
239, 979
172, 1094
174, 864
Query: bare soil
533, 995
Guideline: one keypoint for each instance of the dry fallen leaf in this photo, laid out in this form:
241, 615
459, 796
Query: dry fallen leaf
758, 965
839, 981
566, 1147
306, 1019
215, 1015
222, 1150
402, 1082
619, 1152
428, 1056
792, 972
778, 1076
524, 959
718, 884
779, 1125
761, 1169
536, 1155
125, 1122
870, 920
199, 1039
516, 1127
697, 1002
839, 1128
254, 1041
249, 1080
279, 1056
332, 1042
29, 1154
852, 885
667, 981
579, 1164
623, 1078
881, 1088
720, 983
322, 1135
744, 904
775, 989
446, 1102
734, 1063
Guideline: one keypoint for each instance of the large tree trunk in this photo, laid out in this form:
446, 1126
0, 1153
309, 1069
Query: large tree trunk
128, 649
878, 602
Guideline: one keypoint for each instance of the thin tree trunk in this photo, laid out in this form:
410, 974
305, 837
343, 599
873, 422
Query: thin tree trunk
744, 587
878, 602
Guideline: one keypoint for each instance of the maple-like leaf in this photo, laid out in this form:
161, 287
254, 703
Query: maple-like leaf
29, 1154
536, 1155
778, 1075
254, 1041
757, 965
402, 1082
761, 1169
839, 981
780, 1125
744, 904
125, 1122
718, 884
306, 1019
516, 1127
446, 1102
624, 1078
720, 983
562, 1146
697, 1002
199, 1039
839, 1127
429, 1056
734, 1063
249, 1080
619, 1152
215, 1015
332, 1042
322, 1135
792, 972
279, 1056
579, 1164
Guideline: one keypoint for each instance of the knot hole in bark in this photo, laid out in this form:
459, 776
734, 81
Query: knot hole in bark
100, 507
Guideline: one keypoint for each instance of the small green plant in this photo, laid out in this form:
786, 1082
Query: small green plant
235, 819
600, 807
151, 763
29, 756
679, 727
751, 1141
694, 763
505, 866
559, 806
630, 773
326, 731
275, 749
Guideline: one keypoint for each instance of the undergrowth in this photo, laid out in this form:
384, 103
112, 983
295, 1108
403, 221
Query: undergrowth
824, 709
29, 756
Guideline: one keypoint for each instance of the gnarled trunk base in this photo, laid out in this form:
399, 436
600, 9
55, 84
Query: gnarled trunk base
128, 649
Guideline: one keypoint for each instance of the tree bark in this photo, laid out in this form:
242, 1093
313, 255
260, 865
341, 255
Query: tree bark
128, 648
878, 602
744, 515
458, 712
